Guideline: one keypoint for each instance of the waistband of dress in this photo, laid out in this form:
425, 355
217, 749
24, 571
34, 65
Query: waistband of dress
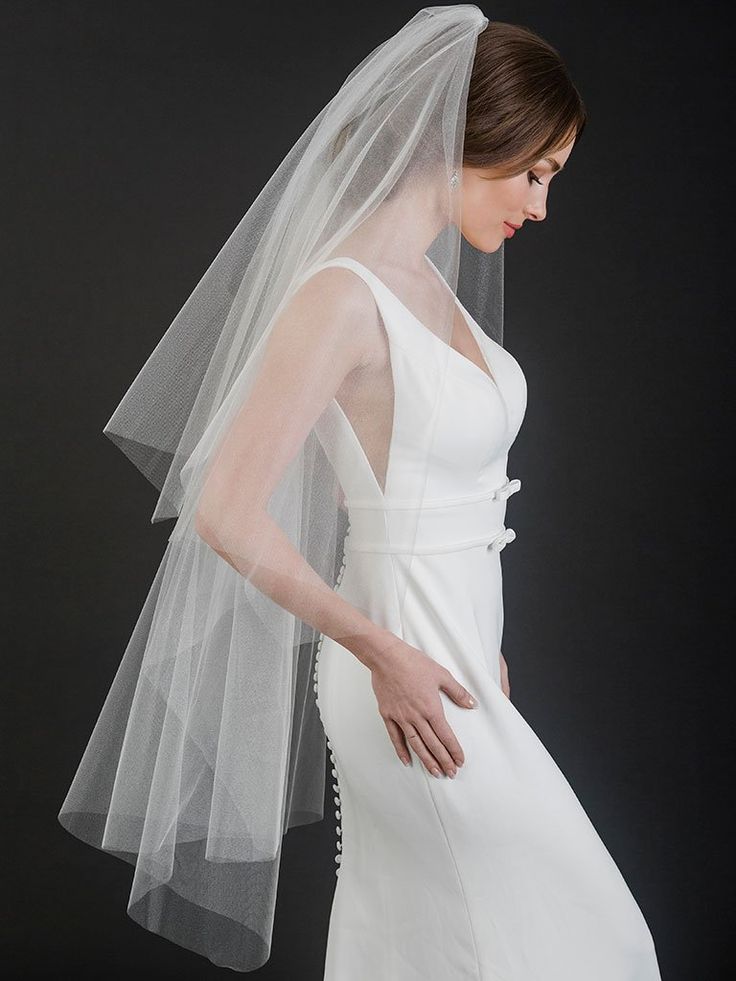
433, 525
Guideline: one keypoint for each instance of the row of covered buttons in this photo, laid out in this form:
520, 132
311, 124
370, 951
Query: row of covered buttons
338, 811
333, 770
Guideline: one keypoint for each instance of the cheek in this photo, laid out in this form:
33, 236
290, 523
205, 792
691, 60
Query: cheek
483, 227
485, 209
485, 206
514, 196
499, 200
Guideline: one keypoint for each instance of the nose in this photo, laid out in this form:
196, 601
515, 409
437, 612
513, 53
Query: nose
536, 209
537, 212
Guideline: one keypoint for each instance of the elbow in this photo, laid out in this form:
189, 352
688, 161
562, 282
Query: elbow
211, 517
231, 532
211, 533
205, 526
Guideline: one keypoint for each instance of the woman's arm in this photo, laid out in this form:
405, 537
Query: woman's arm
505, 683
323, 334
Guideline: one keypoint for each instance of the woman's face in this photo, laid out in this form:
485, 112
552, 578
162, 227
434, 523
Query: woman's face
489, 202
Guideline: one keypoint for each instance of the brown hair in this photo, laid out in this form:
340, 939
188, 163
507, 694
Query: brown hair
522, 104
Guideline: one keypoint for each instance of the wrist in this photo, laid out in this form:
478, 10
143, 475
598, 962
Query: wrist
372, 646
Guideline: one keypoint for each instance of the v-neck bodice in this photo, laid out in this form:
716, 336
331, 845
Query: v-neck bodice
453, 422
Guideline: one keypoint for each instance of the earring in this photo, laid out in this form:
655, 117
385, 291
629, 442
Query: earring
455, 179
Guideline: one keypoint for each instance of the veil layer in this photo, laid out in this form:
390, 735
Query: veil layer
209, 745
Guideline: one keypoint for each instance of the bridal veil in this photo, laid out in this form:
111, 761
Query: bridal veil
209, 746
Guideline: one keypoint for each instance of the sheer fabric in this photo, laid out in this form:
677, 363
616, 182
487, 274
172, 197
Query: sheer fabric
209, 745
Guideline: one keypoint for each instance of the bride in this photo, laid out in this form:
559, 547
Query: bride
328, 421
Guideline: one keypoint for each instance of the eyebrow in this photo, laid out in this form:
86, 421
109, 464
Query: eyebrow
553, 164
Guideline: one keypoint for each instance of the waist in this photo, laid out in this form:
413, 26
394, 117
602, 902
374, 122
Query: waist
434, 525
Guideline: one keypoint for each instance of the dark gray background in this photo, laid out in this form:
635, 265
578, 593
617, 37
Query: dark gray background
136, 136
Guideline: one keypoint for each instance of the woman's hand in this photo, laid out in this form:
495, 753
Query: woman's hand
407, 684
505, 683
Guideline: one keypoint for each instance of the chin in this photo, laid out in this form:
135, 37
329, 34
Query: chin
494, 248
486, 243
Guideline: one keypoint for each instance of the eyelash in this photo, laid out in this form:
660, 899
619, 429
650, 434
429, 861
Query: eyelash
533, 177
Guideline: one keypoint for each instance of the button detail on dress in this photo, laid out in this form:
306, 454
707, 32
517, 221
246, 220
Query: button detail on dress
507, 489
333, 769
501, 541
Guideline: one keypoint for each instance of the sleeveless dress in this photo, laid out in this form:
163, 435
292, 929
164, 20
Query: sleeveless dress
497, 874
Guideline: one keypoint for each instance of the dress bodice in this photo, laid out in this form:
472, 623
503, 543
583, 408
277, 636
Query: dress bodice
453, 426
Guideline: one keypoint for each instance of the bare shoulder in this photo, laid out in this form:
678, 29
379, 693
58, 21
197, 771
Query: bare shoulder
341, 307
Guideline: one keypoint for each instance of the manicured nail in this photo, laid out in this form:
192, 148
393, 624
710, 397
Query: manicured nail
435, 771
405, 762
471, 701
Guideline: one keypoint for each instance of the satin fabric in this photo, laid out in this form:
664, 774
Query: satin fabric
497, 874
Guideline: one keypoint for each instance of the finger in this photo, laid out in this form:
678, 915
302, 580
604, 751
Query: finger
447, 737
457, 692
437, 748
396, 735
414, 739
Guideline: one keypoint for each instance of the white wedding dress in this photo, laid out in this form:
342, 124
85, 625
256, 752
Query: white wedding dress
497, 874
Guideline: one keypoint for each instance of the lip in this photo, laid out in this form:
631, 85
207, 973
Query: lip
510, 229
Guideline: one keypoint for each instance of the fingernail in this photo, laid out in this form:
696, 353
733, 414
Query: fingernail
405, 762
451, 774
435, 772
471, 701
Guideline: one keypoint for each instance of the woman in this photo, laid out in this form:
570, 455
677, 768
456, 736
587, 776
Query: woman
324, 395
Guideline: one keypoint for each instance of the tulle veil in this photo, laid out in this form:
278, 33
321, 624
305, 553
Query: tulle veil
209, 745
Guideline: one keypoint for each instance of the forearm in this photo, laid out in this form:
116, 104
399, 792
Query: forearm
289, 580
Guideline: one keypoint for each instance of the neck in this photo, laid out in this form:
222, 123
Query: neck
402, 228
